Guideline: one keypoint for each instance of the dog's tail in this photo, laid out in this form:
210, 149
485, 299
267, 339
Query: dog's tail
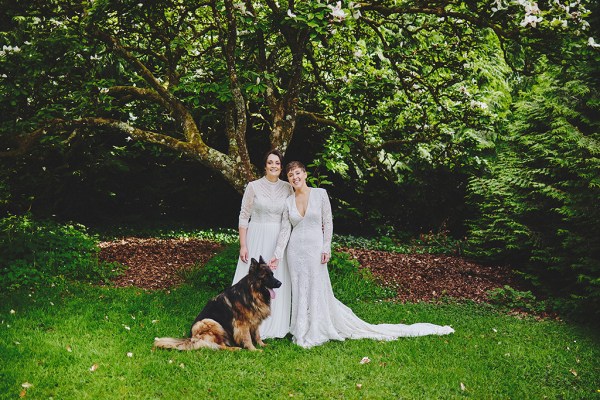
184, 343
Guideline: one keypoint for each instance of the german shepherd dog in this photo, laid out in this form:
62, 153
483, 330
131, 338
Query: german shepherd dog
232, 318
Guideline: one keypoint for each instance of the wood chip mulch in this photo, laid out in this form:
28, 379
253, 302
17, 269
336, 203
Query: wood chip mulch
431, 277
157, 264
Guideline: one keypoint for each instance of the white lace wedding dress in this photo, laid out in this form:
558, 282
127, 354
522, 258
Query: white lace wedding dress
317, 316
262, 206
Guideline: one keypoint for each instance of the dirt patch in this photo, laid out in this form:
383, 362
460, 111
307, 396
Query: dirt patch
156, 264
429, 277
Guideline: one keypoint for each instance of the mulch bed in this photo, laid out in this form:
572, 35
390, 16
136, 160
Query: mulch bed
157, 264
431, 277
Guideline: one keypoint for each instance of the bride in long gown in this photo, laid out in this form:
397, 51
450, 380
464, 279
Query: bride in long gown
317, 316
259, 225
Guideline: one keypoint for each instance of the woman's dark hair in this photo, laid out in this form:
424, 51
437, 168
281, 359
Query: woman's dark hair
293, 165
275, 152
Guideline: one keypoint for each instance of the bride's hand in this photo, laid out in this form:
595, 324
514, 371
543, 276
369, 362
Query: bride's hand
273, 263
244, 254
324, 258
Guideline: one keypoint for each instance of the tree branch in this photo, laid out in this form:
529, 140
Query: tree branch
320, 120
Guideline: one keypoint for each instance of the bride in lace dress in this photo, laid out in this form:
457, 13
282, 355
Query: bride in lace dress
317, 316
259, 225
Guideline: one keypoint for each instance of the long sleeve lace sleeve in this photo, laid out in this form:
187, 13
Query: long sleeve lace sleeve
284, 232
327, 217
247, 203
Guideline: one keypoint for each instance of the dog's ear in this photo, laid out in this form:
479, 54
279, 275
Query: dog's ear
261, 261
254, 266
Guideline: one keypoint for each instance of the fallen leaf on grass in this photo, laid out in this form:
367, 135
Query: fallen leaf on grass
69, 349
573, 372
365, 360
462, 387
130, 354
358, 386
26, 385
94, 367
23, 393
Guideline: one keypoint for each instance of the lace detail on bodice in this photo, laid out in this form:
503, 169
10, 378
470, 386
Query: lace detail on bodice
262, 201
318, 218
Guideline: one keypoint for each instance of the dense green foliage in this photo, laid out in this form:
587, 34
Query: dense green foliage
429, 243
39, 253
511, 299
539, 204
218, 272
397, 101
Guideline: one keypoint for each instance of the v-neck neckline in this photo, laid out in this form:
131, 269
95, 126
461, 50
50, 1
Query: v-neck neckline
307, 204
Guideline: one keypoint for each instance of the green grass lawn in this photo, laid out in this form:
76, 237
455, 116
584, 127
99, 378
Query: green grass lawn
51, 339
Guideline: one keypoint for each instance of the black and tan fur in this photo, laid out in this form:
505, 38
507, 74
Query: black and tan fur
231, 319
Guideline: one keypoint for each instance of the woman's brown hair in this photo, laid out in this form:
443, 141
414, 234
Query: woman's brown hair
275, 152
293, 165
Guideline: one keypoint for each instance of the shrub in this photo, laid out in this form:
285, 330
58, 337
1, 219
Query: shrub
538, 206
429, 243
36, 253
350, 282
510, 298
218, 272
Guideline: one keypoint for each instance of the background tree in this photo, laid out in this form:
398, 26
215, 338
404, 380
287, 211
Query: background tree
195, 76
539, 208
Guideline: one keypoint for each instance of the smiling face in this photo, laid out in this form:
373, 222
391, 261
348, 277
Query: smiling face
297, 177
273, 167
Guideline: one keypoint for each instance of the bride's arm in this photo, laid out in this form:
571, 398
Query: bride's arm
327, 219
244, 218
284, 236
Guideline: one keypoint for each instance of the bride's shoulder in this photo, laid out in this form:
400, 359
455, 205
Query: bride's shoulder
254, 182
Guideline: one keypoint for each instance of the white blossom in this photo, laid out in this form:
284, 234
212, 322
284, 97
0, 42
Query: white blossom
291, 14
592, 43
532, 8
531, 20
336, 12
479, 104
497, 6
